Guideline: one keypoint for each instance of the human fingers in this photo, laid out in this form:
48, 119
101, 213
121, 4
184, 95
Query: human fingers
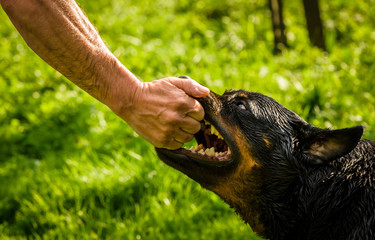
189, 125
169, 139
172, 134
173, 145
178, 140
183, 137
189, 86
196, 112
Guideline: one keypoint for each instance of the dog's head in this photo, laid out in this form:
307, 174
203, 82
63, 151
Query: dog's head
249, 142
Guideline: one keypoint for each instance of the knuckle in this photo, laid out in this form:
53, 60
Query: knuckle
196, 127
182, 103
188, 138
198, 107
174, 146
192, 127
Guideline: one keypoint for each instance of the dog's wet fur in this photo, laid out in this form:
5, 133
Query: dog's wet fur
286, 178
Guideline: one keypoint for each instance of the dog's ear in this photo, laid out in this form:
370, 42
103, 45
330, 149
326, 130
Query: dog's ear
323, 145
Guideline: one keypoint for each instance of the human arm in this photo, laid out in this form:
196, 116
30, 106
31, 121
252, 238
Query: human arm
61, 34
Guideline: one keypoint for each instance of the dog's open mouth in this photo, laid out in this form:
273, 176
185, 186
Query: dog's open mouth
211, 147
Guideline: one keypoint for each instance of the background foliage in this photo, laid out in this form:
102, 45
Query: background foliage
71, 169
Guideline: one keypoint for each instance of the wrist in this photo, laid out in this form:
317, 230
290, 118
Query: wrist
109, 81
122, 91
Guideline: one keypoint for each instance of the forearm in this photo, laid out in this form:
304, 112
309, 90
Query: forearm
161, 111
60, 33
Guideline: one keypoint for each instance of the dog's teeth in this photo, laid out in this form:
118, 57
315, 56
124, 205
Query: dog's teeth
213, 153
201, 151
214, 131
199, 147
210, 151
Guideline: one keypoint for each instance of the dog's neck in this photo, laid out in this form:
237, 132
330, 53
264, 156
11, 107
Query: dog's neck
247, 206
263, 200
242, 194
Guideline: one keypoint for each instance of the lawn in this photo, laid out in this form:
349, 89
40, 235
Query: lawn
71, 169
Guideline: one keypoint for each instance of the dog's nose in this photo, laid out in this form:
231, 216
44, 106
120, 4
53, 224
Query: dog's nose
210, 102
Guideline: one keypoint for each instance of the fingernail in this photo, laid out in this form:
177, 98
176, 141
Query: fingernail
202, 90
184, 77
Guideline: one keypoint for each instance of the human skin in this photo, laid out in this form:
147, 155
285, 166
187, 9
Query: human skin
162, 111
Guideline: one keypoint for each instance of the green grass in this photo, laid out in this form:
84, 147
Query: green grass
71, 169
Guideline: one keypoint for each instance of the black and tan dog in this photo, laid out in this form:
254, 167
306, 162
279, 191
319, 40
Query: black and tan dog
283, 176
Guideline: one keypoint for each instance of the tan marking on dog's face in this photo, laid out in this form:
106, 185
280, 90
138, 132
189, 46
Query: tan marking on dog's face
243, 95
267, 141
241, 189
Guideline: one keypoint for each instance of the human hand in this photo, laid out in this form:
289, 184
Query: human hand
164, 113
161, 111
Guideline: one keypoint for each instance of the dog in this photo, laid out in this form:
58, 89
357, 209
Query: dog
286, 178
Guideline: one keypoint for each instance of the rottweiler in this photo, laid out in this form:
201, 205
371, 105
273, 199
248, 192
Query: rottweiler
286, 178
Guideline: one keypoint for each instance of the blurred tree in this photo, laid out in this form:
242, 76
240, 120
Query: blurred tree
314, 23
278, 25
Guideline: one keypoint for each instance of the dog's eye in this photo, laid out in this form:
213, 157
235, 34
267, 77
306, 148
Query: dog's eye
241, 106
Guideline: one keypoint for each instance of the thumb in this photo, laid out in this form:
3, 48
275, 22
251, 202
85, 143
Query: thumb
189, 86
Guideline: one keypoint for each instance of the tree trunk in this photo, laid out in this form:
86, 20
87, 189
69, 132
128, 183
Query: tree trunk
276, 8
314, 23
